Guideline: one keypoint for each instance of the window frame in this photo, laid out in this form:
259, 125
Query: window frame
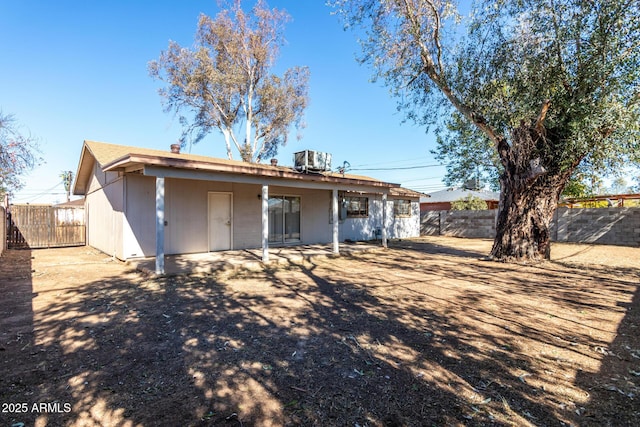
362, 211
406, 208
286, 240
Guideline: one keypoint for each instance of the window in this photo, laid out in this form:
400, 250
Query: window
357, 207
402, 207
284, 219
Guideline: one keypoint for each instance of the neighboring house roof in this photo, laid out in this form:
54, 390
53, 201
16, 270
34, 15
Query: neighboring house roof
405, 192
453, 194
121, 158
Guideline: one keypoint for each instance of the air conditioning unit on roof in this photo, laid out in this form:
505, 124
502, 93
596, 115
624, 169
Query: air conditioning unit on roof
312, 161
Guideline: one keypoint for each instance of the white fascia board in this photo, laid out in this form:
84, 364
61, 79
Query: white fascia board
158, 171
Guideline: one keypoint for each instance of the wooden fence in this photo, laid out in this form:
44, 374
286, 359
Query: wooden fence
39, 226
3, 232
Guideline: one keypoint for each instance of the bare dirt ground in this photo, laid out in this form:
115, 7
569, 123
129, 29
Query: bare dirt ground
422, 334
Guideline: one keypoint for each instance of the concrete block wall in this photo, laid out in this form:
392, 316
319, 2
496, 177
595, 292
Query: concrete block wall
473, 224
609, 226
430, 223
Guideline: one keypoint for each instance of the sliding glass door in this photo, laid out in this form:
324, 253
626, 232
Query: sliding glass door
284, 219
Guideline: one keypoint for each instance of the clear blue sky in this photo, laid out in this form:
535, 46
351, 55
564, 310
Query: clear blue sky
76, 70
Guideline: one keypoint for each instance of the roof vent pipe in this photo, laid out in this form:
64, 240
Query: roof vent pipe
274, 162
175, 148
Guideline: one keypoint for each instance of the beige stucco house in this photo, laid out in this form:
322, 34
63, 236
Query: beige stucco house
150, 203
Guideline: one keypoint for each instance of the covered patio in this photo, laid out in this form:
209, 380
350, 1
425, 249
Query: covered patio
156, 205
246, 259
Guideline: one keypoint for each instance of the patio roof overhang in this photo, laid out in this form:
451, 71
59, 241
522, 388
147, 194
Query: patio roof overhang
246, 174
124, 159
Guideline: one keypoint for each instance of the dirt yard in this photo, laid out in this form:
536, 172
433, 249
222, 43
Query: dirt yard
422, 334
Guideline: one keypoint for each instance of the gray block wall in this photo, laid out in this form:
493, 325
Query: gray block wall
609, 226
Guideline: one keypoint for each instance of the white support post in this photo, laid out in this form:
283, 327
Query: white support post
159, 225
384, 220
265, 224
335, 220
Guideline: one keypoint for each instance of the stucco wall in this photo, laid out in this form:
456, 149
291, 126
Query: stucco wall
397, 227
139, 225
404, 227
186, 215
121, 215
104, 212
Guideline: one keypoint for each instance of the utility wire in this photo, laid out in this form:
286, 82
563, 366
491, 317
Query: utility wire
395, 168
33, 198
386, 162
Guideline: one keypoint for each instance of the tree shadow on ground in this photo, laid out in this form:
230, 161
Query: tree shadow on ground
614, 390
16, 328
435, 248
391, 338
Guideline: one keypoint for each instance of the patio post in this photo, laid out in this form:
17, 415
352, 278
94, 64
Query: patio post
159, 225
265, 224
335, 219
384, 220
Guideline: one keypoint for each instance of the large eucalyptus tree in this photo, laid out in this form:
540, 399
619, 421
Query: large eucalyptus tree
550, 83
224, 82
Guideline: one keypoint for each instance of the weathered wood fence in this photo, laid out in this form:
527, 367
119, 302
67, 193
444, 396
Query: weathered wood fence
42, 226
3, 232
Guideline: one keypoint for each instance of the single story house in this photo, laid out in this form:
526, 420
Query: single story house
150, 203
441, 200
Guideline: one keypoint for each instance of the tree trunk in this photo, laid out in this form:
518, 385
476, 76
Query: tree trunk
524, 218
530, 190
227, 142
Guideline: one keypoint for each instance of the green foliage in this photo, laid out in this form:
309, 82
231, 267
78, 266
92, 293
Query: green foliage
469, 203
467, 152
576, 187
551, 84
224, 82
18, 154
501, 67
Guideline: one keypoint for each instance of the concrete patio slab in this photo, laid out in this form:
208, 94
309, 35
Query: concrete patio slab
251, 259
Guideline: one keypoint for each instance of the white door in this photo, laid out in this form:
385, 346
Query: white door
220, 225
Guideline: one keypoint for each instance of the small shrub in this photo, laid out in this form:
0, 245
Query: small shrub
469, 203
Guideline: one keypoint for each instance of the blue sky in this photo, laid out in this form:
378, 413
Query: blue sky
76, 70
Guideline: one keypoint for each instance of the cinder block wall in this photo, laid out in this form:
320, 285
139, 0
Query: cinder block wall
430, 223
610, 226
475, 224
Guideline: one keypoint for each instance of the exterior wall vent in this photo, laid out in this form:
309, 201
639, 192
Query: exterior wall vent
312, 161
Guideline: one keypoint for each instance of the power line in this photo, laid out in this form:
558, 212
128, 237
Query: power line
430, 178
35, 197
395, 168
386, 162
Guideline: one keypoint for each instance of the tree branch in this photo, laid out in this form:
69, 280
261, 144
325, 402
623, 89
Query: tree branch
539, 127
435, 73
